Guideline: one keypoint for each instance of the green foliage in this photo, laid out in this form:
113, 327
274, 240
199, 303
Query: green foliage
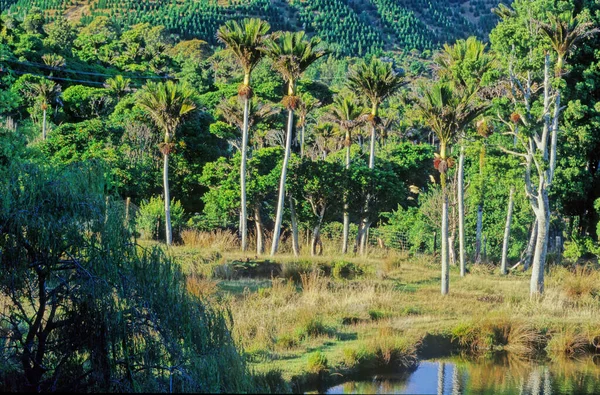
317, 362
150, 220
345, 270
112, 312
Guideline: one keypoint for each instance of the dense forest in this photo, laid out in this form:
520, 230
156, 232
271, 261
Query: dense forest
356, 27
304, 131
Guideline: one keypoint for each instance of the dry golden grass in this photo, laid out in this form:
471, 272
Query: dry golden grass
219, 240
382, 318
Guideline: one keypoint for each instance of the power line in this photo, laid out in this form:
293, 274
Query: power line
32, 64
57, 78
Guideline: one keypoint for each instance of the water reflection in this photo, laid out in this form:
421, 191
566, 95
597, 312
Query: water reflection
501, 375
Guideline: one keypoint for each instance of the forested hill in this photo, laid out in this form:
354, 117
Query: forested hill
354, 27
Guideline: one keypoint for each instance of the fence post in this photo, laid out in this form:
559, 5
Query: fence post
434, 241
127, 203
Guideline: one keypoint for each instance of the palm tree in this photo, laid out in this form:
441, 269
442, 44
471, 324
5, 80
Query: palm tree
348, 115
44, 92
167, 103
375, 82
447, 111
246, 41
291, 53
118, 85
463, 65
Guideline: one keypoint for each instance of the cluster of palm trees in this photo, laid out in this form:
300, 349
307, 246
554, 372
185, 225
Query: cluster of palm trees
449, 106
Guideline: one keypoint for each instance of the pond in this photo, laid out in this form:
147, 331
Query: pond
504, 374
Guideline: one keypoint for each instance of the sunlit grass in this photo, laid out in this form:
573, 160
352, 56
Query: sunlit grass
380, 316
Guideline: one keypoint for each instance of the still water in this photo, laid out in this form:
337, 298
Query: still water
505, 375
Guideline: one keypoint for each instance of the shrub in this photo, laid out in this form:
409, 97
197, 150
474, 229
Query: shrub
345, 270
286, 341
568, 341
317, 362
151, 218
313, 327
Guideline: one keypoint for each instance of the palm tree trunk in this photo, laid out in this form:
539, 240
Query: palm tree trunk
511, 202
168, 230
44, 126
461, 212
365, 223
280, 202
372, 149
444, 237
259, 230
244, 214
346, 206
295, 243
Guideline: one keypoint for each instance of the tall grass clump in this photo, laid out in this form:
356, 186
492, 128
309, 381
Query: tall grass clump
220, 240
96, 311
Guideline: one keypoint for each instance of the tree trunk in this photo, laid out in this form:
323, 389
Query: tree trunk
364, 237
478, 233
44, 126
461, 212
168, 230
372, 148
530, 246
542, 213
346, 206
444, 238
451, 251
511, 202
259, 230
281, 199
244, 214
295, 243
314, 241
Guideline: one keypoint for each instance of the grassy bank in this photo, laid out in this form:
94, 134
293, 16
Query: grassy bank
323, 317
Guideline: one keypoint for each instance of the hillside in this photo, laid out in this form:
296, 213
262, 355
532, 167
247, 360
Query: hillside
354, 27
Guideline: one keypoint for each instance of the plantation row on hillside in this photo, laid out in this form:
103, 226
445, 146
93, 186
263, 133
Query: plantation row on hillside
356, 27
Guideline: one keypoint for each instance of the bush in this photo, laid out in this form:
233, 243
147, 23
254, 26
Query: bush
317, 362
151, 218
345, 270
313, 327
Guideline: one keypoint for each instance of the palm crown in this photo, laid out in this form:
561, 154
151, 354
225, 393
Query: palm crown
345, 112
45, 91
166, 103
245, 40
563, 32
376, 80
292, 53
446, 111
465, 62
